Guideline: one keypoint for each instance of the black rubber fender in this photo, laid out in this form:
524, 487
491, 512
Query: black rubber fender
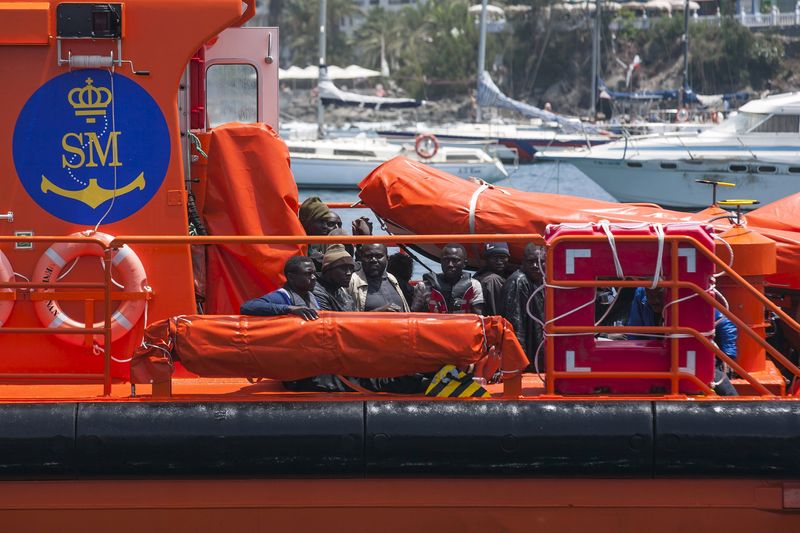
575, 438
37, 440
727, 438
242, 438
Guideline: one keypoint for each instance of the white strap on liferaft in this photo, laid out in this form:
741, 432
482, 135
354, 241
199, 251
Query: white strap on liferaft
473, 204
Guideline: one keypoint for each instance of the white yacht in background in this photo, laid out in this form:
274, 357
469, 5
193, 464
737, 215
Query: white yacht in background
758, 150
342, 163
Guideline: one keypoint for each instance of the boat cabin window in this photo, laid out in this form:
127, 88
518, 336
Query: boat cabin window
744, 122
779, 124
231, 94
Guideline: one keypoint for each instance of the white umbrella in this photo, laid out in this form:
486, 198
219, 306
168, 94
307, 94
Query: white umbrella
311, 72
662, 5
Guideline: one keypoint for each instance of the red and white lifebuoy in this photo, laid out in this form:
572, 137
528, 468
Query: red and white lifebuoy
129, 271
426, 145
6, 275
682, 115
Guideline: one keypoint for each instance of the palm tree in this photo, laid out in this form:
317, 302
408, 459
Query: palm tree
442, 46
300, 28
380, 27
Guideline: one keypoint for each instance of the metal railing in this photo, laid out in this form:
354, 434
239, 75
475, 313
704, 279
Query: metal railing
675, 375
512, 387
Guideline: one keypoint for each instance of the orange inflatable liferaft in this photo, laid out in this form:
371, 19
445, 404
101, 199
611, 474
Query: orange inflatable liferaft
130, 272
415, 198
367, 345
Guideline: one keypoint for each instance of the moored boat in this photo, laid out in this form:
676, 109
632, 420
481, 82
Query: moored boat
343, 162
756, 150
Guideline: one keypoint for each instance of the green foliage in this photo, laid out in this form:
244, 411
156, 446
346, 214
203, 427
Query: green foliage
432, 47
299, 22
442, 48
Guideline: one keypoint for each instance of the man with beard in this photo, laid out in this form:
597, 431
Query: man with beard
452, 291
373, 288
493, 275
337, 269
294, 298
517, 304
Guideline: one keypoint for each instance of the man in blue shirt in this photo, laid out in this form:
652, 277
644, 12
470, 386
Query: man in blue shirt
294, 298
647, 310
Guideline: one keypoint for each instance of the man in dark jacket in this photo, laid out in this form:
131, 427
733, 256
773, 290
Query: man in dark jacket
518, 305
452, 291
294, 298
337, 269
493, 275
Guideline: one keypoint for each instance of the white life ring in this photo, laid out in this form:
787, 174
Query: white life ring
682, 115
6, 275
128, 267
426, 145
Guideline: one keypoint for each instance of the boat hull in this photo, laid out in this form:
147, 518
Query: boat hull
672, 183
400, 504
610, 464
347, 173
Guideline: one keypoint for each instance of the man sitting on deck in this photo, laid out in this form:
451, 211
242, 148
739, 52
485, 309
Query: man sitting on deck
452, 291
517, 305
330, 289
294, 298
493, 275
373, 288
647, 310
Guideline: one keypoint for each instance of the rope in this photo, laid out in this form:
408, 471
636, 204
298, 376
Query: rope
197, 145
113, 129
605, 225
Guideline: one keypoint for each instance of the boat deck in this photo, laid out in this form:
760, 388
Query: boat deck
193, 389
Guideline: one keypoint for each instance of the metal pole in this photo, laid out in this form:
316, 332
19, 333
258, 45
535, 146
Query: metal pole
481, 58
323, 68
595, 56
685, 53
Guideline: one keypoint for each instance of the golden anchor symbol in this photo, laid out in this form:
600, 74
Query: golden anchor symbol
93, 195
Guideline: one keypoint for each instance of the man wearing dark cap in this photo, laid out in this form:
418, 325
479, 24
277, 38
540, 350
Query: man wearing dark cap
493, 275
315, 216
317, 219
294, 298
330, 290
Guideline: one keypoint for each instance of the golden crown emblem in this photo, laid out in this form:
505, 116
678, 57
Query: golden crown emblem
89, 101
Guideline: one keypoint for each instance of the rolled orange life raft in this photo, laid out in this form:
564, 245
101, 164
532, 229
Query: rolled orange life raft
354, 344
415, 198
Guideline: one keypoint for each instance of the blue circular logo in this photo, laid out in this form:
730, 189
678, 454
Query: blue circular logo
88, 143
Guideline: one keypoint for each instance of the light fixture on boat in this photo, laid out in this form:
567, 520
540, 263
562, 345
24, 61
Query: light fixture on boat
92, 22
